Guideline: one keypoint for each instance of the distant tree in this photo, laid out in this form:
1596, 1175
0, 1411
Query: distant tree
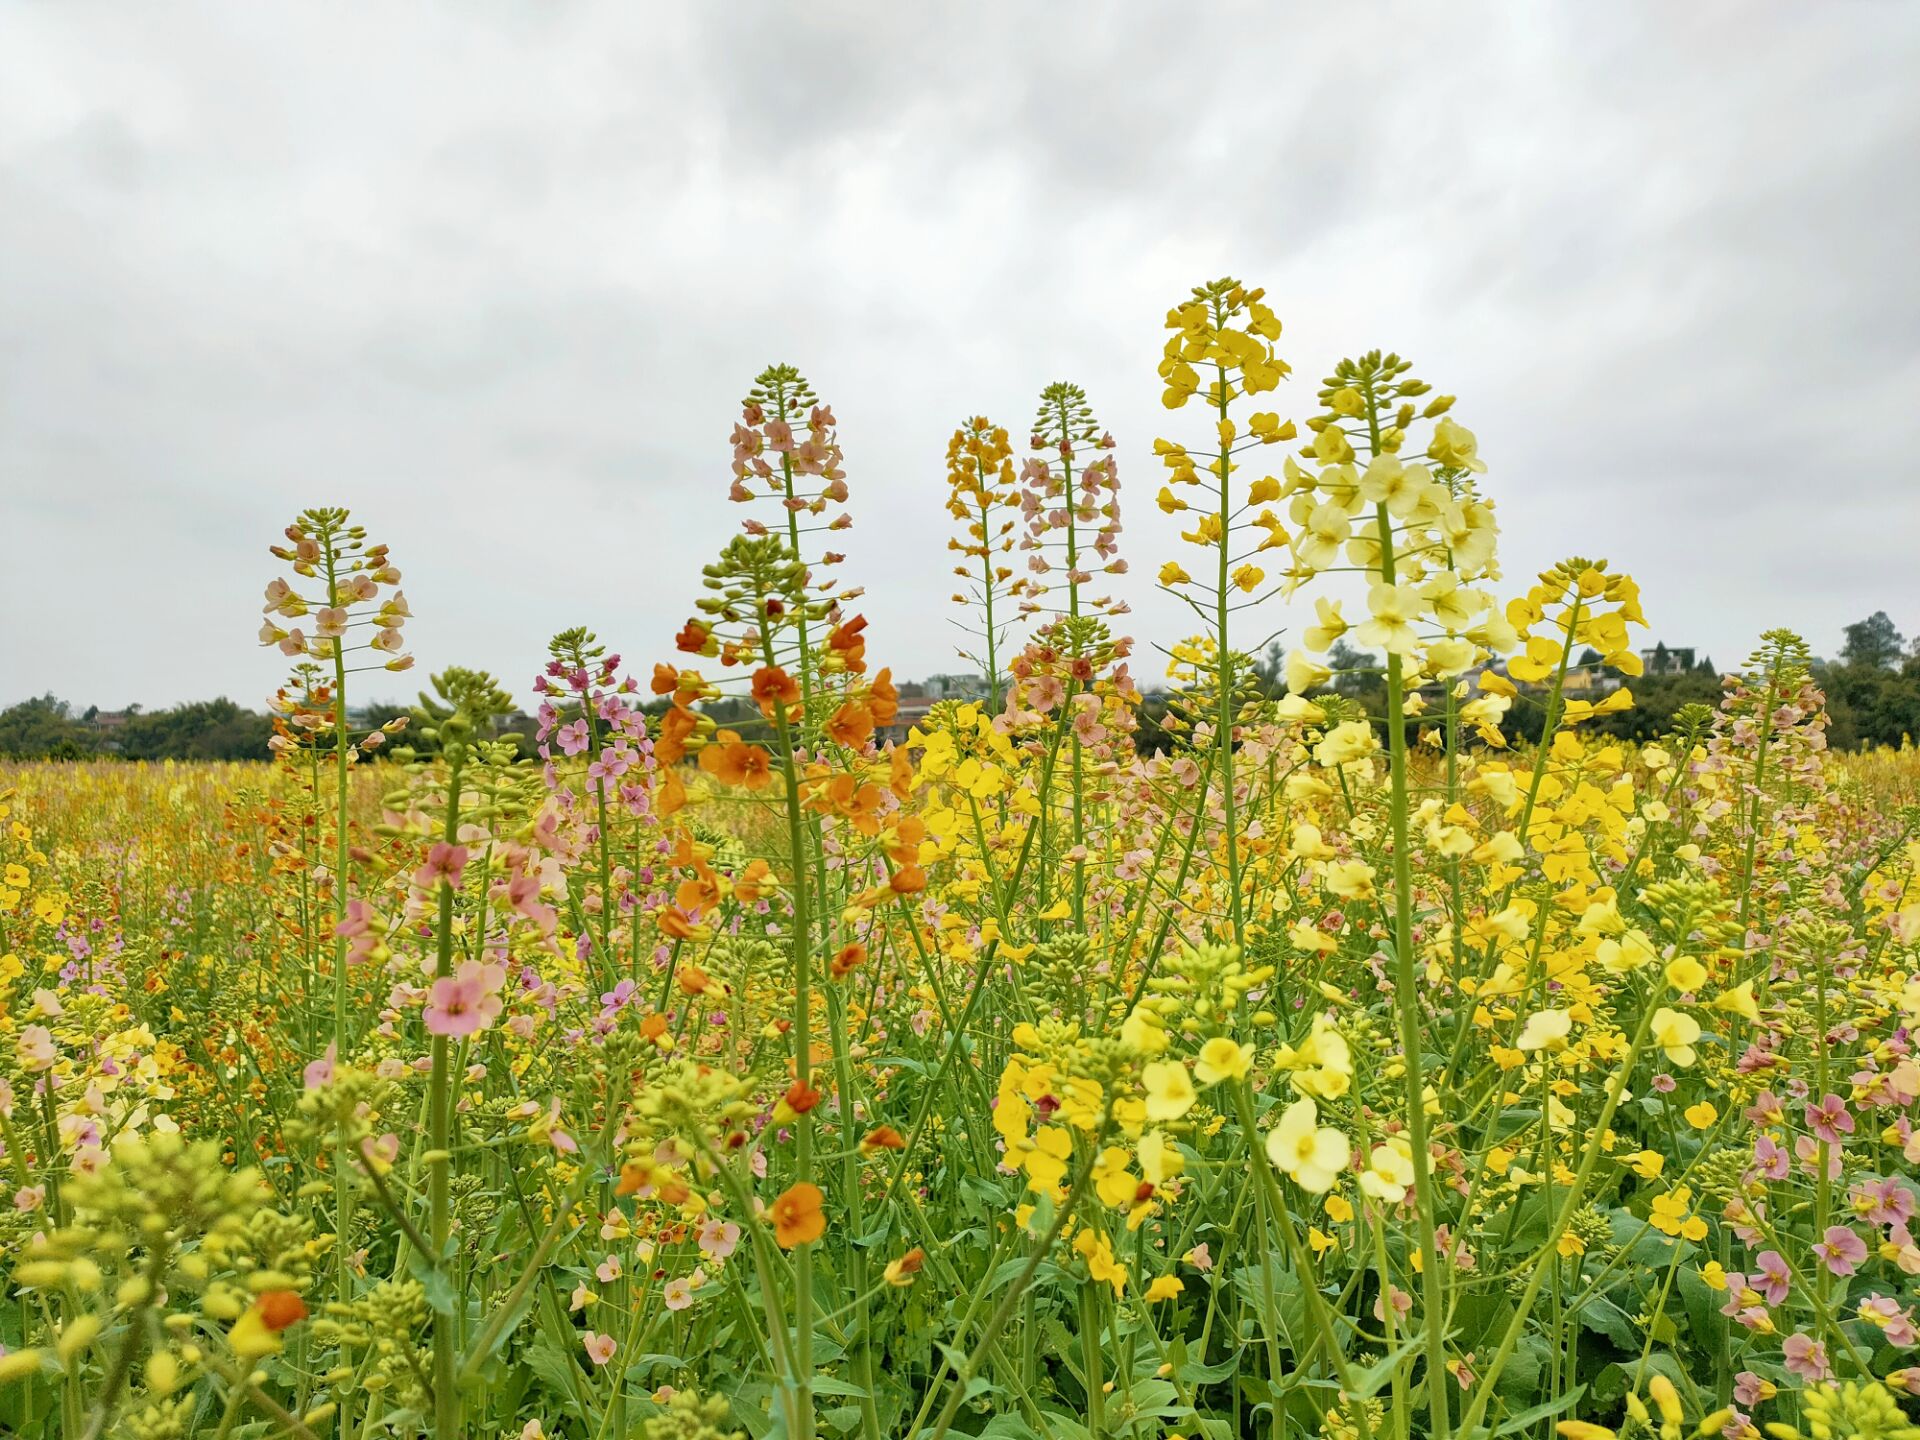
1873, 643
43, 729
201, 730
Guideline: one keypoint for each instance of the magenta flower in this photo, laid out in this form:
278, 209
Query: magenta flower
461, 1004
1841, 1249
1885, 1311
1772, 1278
444, 862
1882, 1202
1829, 1119
1770, 1158
1807, 1358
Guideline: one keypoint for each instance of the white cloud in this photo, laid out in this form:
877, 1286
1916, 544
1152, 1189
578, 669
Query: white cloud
497, 277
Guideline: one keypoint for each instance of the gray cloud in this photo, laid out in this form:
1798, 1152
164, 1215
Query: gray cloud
497, 277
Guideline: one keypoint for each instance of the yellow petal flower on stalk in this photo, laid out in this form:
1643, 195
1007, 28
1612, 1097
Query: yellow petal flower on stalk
1393, 608
1164, 1287
1455, 448
1113, 1182
1248, 577
1348, 741
1324, 531
1329, 626
1160, 1159
1667, 1398
1223, 1058
1545, 1030
1675, 1032
1389, 1172
1304, 673
1308, 1153
1170, 1092
1702, 1115
1046, 1161
1349, 879
1739, 1001
1686, 974
1172, 574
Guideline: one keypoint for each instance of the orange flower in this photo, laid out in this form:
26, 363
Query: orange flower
849, 959
677, 924
800, 1098
753, 882
901, 1272
672, 795
700, 893
882, 699
281, 1308
850, 645
883, 1137
796, 1216
666, 679
908, 880
773, 686
732, 761
679, 723
851, 724
257, 1332
900, 777
692, 980
904, 848
695, 638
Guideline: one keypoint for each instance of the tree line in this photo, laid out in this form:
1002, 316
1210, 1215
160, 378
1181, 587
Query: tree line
1872, 689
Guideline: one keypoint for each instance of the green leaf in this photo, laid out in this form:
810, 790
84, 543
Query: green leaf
828, 1385
1544, 1410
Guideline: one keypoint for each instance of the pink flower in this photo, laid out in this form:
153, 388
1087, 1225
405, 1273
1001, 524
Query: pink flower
1746, 1388
600, 1348
460, 1004
1770, 1158
320, 1072
444, 862
1772, 1279
718, 1238
1841, 1249
1829, 1119
1806, 1358
1200, 1257
1882, 1202
678, 1293
608, 1269
1885, 1311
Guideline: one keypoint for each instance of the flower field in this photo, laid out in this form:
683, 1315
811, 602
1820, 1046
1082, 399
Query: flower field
721, 1063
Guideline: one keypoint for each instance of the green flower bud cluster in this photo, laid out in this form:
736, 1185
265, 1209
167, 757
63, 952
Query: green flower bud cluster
376, 1332
1204, 985
688, 1417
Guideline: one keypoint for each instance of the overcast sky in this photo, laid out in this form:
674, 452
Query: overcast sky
497, 275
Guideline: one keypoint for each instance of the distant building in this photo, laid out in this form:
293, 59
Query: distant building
913, 710
955, 687
1668, 659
